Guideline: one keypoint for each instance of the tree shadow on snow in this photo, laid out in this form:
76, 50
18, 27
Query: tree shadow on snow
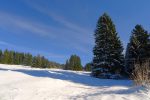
73, 77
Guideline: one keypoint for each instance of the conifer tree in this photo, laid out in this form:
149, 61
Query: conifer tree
34, 63
88, 67
11, 57
5, 59
27, 59
1, 55
21, 58
74, 63
137, 49
37, 61
45, 62
77, 65
17, 59
108, 57
66, 65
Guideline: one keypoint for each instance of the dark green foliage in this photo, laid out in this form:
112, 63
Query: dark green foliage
27, 59
55, 65
42, 62
108, 57
45, 62
34, 62
11, 57
16, 58
6, 57
88, 67
67, 65
38, 61
138, 47
74, 63
1, 55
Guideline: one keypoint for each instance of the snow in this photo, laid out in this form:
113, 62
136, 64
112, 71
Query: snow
25, 83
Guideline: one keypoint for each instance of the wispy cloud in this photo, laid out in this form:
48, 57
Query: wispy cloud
58, 18
6, 44
17, 23
83, 36
79, 31
76, 36
33, 51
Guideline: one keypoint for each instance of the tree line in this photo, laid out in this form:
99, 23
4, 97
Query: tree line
27, 59
108, 54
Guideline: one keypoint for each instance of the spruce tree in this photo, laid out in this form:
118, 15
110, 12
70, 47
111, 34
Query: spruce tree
88, 67
74, 63
71, 62
11, 57
1, 55
77, 65
108, 57
37, 61
34, 63
21, 58
45, 62
5, 59
66, 65
16, 56
138, 47
27, 59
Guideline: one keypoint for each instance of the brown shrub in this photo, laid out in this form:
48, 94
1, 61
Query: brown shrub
141, 73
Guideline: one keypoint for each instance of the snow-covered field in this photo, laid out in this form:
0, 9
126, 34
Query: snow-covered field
25, 83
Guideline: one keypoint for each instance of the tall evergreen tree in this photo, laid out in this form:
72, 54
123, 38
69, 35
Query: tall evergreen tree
27, 59
108, 57
21, 58
6, 57
37, 61
1, 55
34, 63
11, 57
88, 67
17, 59
45, 62
66, 65
137, 49
74, 63
77, 65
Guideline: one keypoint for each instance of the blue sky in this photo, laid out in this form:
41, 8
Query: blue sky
59, 28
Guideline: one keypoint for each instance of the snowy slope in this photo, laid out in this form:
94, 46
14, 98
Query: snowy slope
25, 83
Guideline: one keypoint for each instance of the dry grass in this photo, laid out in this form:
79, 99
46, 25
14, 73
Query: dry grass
141, 74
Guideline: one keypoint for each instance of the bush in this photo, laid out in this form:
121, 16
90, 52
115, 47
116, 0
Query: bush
141, 73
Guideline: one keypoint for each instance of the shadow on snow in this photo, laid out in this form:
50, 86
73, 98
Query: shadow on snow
73, 77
